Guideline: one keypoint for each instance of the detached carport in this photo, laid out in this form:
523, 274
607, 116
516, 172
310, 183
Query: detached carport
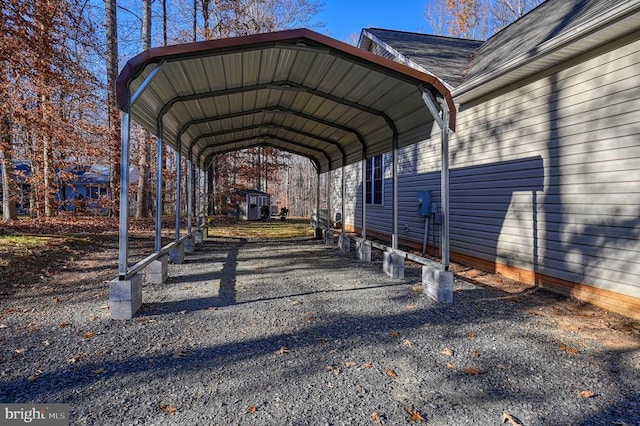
298, 91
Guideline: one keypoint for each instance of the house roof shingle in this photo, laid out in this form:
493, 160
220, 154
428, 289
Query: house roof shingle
446, 57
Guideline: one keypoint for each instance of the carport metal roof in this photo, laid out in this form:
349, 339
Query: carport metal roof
296, 90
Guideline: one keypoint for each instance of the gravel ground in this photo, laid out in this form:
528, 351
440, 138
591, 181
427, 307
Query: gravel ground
297, 333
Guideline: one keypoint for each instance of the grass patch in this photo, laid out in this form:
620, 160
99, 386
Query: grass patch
258, 230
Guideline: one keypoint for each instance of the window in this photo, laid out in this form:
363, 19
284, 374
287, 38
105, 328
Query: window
374, 179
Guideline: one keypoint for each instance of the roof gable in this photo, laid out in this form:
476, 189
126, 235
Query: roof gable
446, 57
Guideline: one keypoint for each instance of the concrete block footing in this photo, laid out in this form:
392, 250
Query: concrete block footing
437, 284
328, 237
198, 236
205, 232
176, 253
190, 244
363, 250
393, 265
157, 271
344, 242
125, 297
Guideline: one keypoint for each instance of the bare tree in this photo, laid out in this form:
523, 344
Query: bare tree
113, 124
143, 208
504, 12
476, 19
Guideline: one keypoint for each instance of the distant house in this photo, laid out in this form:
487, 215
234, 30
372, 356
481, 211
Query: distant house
83, 187
545, 160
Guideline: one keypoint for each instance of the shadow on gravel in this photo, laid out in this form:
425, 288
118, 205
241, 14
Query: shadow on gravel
490, 315
216, 253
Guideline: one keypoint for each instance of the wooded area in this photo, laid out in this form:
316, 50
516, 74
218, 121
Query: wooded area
59, 60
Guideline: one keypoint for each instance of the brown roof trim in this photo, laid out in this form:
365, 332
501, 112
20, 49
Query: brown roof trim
135, 65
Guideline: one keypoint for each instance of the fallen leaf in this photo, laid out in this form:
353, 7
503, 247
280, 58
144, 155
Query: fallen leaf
473, 371
252, 409
98, 371
350, 364
46, 342
167, 408
410, 307
367, 365
88, 334
408, 343
471, 335
186, 287
502, 367
72, 360
63, 324
34, 377
283, 350
395, 334
414, 415
513, 421
2, 326
20, 350
375, 417
587, 394
476, 353
390, 372
568, 348
447, 352
451, 366
180, 354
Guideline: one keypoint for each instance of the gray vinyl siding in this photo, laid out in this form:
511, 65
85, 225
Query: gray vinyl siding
572, 211
544, 176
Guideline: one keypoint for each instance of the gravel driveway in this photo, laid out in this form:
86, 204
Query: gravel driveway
297, 333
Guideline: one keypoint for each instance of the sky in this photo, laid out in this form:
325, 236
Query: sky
345, 17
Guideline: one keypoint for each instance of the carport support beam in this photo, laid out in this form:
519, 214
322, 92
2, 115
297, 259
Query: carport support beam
158, 241
443, 123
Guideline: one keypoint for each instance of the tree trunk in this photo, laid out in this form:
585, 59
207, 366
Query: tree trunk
6, 168
144, 157
114, 114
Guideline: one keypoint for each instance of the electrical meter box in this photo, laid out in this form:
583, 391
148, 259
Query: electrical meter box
424, 203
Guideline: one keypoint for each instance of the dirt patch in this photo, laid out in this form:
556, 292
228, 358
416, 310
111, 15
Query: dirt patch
566, 314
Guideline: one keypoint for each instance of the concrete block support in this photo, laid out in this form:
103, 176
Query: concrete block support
176, 253
393, 265
190, 244
345, 243
205, 232
363, 250
125, 297
328, 237
437, 284
198, 236
157, 271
